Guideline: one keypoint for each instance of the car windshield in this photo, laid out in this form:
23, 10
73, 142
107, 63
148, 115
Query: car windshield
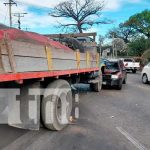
112, 66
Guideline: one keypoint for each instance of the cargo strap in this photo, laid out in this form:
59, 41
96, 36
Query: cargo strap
78, 58
97, 59
88, 58
49, 57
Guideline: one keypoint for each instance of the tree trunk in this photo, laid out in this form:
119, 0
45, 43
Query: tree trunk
80, 29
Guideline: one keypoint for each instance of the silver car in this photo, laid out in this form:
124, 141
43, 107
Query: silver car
146, 74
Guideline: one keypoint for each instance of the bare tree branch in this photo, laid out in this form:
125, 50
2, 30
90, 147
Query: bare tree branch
80, 11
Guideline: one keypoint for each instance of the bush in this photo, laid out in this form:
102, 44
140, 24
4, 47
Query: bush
138, 46
146, 54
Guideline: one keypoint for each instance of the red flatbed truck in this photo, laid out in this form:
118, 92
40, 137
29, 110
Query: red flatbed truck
32, 61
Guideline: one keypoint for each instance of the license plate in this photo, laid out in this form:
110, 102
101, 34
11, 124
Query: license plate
104, 83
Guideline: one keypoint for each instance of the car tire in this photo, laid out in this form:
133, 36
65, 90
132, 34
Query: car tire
119, 87
125, 80
56, 106
134, 71
145, 79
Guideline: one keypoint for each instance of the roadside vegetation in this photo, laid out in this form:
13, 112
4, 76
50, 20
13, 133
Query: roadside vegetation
135, 32
130, 38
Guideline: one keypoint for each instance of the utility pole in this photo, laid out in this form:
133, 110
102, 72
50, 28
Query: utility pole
113, 44
101, 39
10, 3
19, 15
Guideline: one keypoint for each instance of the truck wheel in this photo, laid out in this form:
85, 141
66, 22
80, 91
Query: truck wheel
56, 105
134, 71
144, 79
96, 87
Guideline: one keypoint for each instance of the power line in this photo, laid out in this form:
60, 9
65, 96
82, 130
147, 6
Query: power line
19, 16
10, 3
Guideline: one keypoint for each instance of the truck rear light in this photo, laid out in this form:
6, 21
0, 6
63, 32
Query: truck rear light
126, 64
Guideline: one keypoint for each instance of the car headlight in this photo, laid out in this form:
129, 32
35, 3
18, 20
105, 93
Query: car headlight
114, 76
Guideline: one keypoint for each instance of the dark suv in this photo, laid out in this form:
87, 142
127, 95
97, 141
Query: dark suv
114, 73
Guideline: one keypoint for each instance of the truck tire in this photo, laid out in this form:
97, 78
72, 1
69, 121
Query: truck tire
56, 105
144, 79
134, 71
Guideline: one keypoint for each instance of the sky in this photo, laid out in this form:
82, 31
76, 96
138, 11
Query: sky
38, 20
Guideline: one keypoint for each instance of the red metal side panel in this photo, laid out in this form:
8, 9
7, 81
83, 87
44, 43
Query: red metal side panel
34, 75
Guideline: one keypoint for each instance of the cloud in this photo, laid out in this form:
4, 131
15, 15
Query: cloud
111, 5
45, 3
114, 5
41, 20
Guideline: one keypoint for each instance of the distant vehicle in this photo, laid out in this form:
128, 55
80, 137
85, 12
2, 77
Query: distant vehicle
146, 74
131, 65
114, 74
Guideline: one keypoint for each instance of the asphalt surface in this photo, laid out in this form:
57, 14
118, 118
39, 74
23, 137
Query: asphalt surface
109, 120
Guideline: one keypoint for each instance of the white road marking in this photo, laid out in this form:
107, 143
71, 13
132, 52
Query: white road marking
131, 139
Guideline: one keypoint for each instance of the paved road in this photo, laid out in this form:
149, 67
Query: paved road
110, 120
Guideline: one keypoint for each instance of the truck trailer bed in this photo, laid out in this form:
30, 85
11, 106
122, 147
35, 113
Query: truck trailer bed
31, 56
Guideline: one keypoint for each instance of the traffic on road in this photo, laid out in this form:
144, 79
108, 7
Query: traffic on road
108, 120
75, 75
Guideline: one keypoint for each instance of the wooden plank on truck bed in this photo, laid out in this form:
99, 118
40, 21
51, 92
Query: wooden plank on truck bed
25, 64
26, 49
10, 52
1, 62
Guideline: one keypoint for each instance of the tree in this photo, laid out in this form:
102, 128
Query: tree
146, 54
140, 22
79, 13
119, 45
138, 46
124, 32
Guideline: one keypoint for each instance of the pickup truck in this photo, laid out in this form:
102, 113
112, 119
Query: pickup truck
131, 65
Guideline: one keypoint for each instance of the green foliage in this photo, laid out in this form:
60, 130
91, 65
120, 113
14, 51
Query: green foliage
124, 32
146, 54
135, 32
140, 22
138, 46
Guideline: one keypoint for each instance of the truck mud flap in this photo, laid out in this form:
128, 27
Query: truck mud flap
24, 107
